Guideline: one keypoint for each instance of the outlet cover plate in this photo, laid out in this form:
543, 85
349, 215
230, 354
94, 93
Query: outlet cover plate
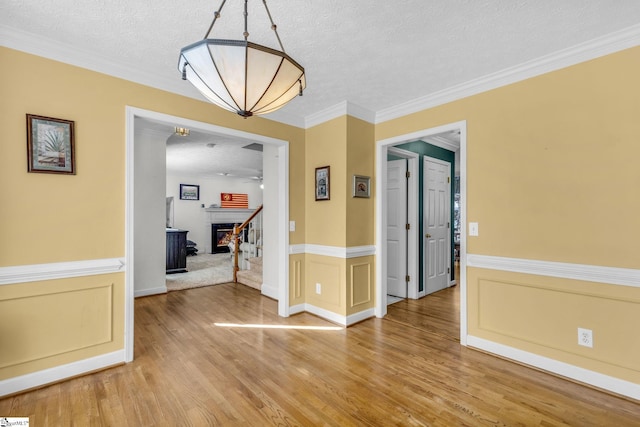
585, 337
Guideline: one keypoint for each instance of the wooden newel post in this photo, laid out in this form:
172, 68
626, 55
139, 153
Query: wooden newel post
236, 243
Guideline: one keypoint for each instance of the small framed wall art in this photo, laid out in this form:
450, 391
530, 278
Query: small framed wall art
322, 183
361, 186
50, 145
189, 192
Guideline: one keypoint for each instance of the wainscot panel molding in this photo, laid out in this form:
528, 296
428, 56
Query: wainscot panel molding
60, 270
333, 251
59, 373
95, 316
589, 273
295, 280
586, 376
360, 278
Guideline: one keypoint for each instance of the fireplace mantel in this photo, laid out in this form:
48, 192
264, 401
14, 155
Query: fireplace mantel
226, 215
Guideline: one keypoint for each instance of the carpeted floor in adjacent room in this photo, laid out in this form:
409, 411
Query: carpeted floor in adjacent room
203, 270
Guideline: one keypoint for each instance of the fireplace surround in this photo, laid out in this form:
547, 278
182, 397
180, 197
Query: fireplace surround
221, 235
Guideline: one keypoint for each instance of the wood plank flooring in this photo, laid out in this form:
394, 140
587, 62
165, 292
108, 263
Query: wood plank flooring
407, 370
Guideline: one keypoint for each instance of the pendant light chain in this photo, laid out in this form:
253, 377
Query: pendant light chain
246, 16
216, 15
274, 27
241, 76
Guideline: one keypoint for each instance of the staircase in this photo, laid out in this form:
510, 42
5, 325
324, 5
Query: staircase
251, 277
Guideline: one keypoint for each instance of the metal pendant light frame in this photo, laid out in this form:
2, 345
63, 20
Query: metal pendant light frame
241, 76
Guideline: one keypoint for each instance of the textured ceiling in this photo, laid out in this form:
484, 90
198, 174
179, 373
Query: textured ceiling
373, 54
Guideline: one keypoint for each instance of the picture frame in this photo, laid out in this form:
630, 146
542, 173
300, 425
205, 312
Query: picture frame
50, 145
189, 192
361, 186
323, 183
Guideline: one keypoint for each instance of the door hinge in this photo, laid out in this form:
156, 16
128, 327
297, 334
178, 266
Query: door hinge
407, 278
448, 225
408, 226
407, 174
448, 270
448, 179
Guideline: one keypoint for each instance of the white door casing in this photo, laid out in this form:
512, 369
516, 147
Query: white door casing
383, 146
437, 217
396, 228
280, 211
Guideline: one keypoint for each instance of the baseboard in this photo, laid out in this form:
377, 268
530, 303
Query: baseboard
360, 316
334, 317
59, 373
605, 382
149, 292
295, 309
269, 291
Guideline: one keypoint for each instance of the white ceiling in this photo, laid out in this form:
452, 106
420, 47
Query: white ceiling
373, 54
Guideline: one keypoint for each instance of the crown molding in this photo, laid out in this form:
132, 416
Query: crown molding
341, 109
611, 43
24, 41
27, 42
623, 39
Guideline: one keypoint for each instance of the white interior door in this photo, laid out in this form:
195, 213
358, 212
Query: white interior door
437, 217
396, 228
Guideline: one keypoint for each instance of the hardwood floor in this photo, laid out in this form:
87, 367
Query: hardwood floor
188, 371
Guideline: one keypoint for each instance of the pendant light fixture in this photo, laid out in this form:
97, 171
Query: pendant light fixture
239, 75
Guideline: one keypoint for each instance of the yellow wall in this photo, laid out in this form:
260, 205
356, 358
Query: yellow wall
552, 175
60, 218
360, 161
347, 284
326, 145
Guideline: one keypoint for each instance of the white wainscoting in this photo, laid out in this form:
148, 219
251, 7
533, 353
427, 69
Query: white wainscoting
60, 270
589, 273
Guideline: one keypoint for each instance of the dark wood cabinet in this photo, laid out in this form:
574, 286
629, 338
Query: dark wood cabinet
176, 251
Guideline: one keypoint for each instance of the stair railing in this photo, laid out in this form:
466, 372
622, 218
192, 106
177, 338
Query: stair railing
237, 232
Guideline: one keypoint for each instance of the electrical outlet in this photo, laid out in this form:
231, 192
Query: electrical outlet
585, 337
318, 288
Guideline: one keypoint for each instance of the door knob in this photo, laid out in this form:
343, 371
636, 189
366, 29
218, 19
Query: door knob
428, 236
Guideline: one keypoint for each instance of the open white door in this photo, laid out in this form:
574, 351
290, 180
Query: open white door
437, 217
396, 228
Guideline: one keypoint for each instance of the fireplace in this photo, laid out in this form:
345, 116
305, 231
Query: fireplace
221, 235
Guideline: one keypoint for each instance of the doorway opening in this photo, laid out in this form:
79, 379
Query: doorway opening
383, 148
276, 218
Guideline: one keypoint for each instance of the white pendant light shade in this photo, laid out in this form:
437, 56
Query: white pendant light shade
242, 76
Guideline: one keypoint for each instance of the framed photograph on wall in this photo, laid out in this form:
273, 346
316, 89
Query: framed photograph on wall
322, 183
189, 192
50, 145
361, 186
